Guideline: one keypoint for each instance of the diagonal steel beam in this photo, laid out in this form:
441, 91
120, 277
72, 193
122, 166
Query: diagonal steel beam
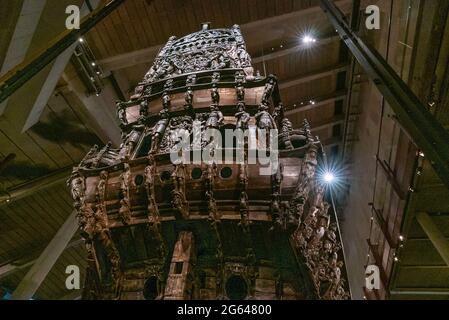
421, 126
11, 267
32, 186
36, 275
28, 20
435, 235
20, 74
36, 108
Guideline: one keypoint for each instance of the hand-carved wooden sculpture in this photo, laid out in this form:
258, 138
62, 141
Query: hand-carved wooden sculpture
242, 116
195, 229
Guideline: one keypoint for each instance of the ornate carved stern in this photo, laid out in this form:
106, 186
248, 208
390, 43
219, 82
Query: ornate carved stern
164, 218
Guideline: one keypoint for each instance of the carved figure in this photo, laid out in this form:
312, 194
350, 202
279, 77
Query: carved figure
216, 118
268, 90
263, 118
159, 130
121, 114
143, 111
130, 142
242, 116
125, 206
188, 97
215, 95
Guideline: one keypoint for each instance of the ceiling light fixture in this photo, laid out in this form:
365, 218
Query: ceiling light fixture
328, 177
308, 39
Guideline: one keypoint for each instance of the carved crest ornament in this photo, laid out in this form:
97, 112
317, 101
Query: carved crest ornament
155, 229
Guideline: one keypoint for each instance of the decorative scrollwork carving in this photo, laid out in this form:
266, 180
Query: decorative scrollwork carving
244, 209
125, 206
203, 50
77, 189
179, 129
214, 214
315, 237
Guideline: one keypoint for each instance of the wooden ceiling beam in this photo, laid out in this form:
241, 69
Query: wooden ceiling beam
329, 123
276, 27
316, 102
297, 48
129, 59
311, 76
100, 110
333, 141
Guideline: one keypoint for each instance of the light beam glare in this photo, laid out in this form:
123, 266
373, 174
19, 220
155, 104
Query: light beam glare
329, 177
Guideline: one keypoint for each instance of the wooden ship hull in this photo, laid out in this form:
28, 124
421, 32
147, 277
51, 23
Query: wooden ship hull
206, 230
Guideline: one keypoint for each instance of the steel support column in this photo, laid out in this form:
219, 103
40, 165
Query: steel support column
426, 132
20, 74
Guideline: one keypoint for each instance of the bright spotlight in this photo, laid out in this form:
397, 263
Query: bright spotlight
308, 39
332, 176
328, 177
